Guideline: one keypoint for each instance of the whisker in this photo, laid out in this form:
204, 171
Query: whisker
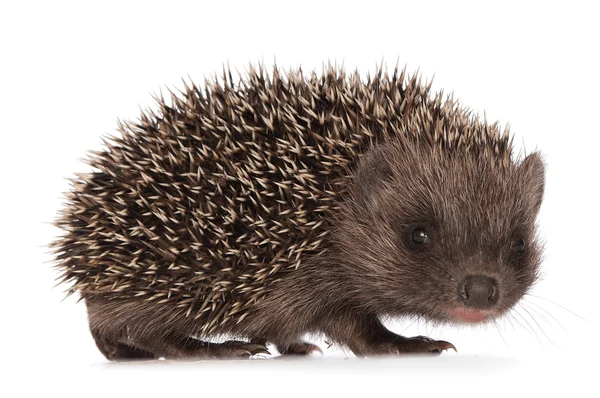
535, 307
427, 331
538, 325
528, 306
531, 329
509, 318
547, 312
561, 306
500, 333
408, 326
512, 315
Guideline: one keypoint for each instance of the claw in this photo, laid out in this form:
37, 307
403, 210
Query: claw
260, 349
254, 349
419, 345
300, 349
233, 349
444, 345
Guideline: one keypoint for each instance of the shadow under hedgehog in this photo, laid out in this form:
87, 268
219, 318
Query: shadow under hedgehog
289, 203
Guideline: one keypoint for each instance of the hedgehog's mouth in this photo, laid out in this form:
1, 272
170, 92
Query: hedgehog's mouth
469, 315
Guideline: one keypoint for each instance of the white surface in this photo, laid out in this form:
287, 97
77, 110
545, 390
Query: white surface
68, 70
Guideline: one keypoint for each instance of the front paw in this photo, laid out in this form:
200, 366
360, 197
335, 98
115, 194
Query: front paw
238, 349
415, 345
300, 348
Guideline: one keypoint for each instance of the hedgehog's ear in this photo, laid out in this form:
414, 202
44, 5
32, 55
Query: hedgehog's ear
373, 172
532, 174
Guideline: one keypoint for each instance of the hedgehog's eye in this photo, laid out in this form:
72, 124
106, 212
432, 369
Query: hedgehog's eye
519, 245
420, 236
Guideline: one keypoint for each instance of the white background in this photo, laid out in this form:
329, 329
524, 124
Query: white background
69, 70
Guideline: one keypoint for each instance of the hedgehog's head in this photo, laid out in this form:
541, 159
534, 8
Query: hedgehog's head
447, 235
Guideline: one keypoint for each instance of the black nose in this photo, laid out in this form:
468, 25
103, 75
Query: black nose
478, 291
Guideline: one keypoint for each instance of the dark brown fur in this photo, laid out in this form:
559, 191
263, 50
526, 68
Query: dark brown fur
281, 207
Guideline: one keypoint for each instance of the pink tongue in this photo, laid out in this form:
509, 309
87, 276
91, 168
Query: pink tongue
468, 315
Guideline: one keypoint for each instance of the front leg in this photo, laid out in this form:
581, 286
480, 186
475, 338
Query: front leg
366, 336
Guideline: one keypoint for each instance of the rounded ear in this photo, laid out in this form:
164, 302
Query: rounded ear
374, 171
532, 176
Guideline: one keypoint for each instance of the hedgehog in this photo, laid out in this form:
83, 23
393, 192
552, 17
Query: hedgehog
261, 209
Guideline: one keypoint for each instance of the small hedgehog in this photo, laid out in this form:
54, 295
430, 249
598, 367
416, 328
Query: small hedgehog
287, 203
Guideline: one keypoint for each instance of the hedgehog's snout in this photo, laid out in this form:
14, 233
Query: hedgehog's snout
479, 292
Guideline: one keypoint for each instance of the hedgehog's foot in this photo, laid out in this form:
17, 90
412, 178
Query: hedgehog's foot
171, 347
414, 345
124, 352
193, 349
231, 349
366, 336
117, 351
300, 348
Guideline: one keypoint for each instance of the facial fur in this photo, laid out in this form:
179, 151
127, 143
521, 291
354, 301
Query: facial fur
479, 217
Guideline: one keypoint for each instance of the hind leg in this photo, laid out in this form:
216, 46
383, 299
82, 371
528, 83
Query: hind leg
173, 346
166, 347
300, 348
176, 346
116, 351
124, 330
110, 333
